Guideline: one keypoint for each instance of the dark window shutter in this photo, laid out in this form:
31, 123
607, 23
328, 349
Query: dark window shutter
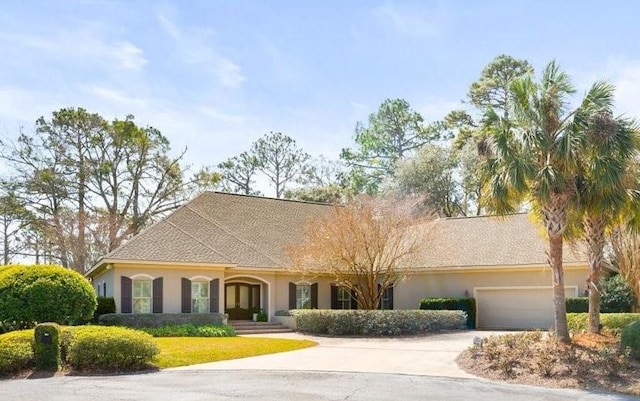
354, 299
125, 294
390, 289
334, 297
186, 295
214, 295
314, 296
157, 295
381, 297
292, 296
104, 289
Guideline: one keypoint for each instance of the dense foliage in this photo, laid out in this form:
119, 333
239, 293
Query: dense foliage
16, 351
612, 321
376, 322
44, 293
190, 330
146, 320
110, 349
467, 305
46, 347
630, 338
105, 305
617, 295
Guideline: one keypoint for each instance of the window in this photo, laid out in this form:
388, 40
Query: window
199, 297
344, 298
303, 296
104, 289
141, 296
387, 299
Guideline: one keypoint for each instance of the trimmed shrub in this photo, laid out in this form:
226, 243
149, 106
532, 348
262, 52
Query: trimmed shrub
612, 321
144, 320
97, 348
617, 296
16, 351
105, 305
376, 322
467, 305
44, 293
190, 330
46, 346
577, 304
630, 338
282, 312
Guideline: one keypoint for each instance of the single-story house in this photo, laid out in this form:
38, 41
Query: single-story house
224, 253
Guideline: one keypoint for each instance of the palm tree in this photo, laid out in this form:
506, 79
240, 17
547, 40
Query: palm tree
533, 158
606, 185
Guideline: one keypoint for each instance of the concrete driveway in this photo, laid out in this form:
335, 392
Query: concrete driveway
432, 355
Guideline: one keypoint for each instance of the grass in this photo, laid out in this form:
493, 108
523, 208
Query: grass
182, 351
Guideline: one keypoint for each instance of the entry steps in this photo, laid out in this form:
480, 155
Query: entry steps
250, 327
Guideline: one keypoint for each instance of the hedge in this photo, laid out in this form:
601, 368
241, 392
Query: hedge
376, 322
142, 320
467, 305
105, 305
191, 330
630, 338
47, 352
110, 349
577, 304
44, 293
16, 351
611, 321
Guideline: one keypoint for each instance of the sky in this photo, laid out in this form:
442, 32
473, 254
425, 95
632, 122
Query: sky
215, 75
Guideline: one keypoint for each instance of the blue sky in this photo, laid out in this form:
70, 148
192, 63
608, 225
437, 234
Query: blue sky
215, 75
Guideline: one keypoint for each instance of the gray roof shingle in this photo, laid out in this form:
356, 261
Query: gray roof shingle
221, 228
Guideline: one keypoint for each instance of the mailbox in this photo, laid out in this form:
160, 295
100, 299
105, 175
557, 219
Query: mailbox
46, 338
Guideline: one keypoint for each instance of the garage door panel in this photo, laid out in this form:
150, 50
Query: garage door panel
516, 308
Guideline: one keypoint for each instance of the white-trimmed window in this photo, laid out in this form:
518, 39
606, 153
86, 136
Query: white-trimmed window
344, 298
199, 297
303, 296
141, 295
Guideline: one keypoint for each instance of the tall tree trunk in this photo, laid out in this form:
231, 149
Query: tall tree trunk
555, 220
594, 236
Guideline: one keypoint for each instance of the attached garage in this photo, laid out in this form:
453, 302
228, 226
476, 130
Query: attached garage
516, 307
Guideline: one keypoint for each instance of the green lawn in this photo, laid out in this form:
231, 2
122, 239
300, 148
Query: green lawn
181, 351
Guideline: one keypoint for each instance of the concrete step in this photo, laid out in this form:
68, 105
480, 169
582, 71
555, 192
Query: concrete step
249, 327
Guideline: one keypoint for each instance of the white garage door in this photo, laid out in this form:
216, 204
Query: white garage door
516, 307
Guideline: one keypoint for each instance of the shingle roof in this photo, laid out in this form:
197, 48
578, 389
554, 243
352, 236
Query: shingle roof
221, 228
489, 241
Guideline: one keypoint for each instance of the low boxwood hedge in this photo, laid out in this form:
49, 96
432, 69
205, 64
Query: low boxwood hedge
611, 321
16, 351
577, 304
467, 305
145, 320
105, 305
376, 322
630, 338
191, 330
110, 349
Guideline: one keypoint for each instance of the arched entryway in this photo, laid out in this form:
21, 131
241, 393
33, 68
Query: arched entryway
244, 296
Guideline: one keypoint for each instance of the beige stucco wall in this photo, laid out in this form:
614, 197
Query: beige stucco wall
107, 277
454, 283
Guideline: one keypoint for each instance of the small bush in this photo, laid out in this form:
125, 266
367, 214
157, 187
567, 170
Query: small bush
16, 351
630, 338
110, 349
376, 322
467, 305
190, 330
105, 305
47, 346
612, 321
44, 293
145, 320
577, 304
618, 297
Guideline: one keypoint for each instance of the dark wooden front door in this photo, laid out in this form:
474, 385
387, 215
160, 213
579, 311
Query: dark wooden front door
241, 300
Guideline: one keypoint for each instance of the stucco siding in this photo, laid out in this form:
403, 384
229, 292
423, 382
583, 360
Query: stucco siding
409, 292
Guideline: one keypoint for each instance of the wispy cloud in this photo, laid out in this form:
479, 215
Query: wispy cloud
410, 20
196, 46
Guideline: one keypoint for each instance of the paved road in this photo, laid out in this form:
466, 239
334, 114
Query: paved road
280, 385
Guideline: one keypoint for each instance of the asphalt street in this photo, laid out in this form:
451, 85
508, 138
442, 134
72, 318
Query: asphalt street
196, 385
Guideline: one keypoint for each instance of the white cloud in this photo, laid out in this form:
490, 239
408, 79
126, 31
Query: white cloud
407, 20
196, 47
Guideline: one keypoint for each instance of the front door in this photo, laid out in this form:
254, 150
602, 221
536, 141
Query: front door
241, 300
